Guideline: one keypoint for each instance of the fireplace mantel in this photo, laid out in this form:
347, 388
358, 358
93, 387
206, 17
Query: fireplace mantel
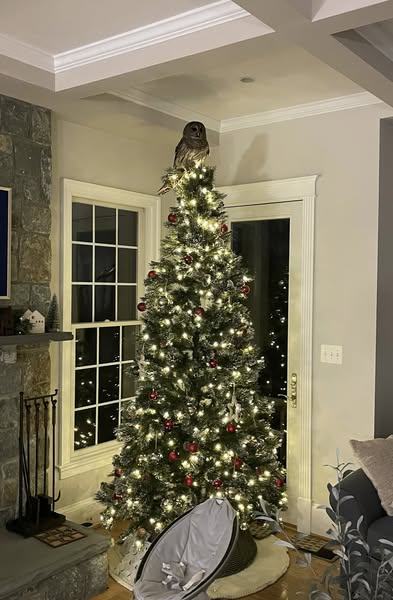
35, 338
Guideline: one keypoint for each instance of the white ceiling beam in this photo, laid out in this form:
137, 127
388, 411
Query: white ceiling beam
329, 16
20, 71
279, 14
352, 19
372, 73
323, 9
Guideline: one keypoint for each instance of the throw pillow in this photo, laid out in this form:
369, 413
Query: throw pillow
376, 460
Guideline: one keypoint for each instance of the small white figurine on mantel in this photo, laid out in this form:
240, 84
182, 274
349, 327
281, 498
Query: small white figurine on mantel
37, 321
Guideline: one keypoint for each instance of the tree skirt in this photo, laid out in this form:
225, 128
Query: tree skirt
269, 565
271, 562
124, 561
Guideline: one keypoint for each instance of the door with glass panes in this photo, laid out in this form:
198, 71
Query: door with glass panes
268, 237
106, 260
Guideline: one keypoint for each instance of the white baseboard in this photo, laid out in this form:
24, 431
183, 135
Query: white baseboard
84, 511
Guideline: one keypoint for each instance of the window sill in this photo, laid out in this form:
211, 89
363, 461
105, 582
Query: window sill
89, 460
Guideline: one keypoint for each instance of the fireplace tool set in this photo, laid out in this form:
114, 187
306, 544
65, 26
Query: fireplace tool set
37, 435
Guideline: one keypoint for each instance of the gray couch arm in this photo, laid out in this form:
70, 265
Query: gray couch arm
365, 500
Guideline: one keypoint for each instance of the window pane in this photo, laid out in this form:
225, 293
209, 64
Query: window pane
105, 264
85, 425
109, 344
85, 387
85, 347
82, 222
127, 265
126, 303
128, 386
128, 228
82, 267
108, 384
104, 302
108, 421
264, 246
105, 221
82, 304
130, 334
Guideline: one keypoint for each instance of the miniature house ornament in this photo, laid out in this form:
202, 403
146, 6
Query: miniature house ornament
37, 321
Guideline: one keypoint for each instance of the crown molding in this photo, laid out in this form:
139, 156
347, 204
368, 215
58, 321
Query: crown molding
205, 17
27, 54
168, 108
289, 113
299, 111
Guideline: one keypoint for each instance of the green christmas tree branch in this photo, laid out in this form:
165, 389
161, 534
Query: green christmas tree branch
196, 427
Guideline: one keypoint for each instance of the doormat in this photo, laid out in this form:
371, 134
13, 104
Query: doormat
315, 546
60, 536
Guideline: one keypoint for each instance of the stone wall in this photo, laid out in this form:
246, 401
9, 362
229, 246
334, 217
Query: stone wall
25, 166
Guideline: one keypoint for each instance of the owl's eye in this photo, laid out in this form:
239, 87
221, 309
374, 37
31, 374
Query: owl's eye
195, 128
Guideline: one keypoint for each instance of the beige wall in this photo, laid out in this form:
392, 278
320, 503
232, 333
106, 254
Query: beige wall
343, 148
93, 156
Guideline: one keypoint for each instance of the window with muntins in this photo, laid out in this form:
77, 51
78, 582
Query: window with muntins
105, 268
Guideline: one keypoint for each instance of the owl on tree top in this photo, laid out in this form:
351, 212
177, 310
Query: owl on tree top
196, 428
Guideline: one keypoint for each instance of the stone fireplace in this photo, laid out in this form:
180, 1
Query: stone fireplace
25, 166
30, 569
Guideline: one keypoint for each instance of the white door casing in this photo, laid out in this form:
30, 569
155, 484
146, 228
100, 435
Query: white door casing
302, 191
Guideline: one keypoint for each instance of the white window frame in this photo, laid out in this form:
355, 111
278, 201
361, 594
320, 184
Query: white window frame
74, 462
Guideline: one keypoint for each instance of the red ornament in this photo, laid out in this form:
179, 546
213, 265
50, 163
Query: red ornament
193, 447
189, 481
217, 483
117, 497
173, 456
153, 395
142, 306
279, 483
238, 463
168, 424
231, 428
152, 274
213, 363
224, 228
172, 218
188, 259
117, 472
199, 311
245, 289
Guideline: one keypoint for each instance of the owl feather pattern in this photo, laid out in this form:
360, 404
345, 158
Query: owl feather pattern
192, 147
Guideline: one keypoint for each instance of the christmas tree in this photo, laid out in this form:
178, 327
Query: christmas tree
53, 317
196, 428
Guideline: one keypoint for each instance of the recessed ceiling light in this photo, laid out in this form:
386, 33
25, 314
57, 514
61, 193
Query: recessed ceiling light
247, 79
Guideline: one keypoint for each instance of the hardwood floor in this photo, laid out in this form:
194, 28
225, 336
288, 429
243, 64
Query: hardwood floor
295, 584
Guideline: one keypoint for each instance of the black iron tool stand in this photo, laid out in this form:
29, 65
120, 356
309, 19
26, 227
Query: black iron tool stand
37, 433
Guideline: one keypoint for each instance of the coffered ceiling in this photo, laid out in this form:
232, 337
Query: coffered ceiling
130, 61
56, 27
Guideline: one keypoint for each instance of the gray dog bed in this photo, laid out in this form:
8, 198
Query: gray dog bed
189, 555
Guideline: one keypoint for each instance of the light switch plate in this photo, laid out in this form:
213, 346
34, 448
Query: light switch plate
332, 354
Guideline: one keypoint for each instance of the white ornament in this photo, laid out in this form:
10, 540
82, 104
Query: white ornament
234, 408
